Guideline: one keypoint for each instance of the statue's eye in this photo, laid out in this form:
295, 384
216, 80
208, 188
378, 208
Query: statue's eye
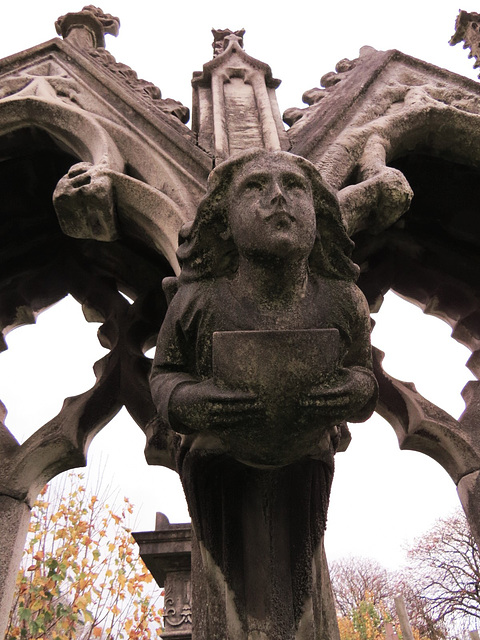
254, 185
294, 182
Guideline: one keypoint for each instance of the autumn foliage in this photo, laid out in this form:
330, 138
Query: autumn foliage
81, 576
440, 587
364, 621
364, 596
367, 621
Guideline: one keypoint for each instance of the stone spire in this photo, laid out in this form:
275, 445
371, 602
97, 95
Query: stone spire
234, 103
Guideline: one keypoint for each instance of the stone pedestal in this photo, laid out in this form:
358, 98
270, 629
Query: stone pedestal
167, 554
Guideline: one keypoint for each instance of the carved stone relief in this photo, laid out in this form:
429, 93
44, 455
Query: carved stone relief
48, 81
400, 120
467, 30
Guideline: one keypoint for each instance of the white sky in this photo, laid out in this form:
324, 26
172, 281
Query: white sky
381, 496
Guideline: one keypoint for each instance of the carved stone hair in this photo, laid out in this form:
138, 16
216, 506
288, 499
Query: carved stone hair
207, 250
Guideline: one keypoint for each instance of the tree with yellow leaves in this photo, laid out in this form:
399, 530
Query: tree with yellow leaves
365, 621
81, 577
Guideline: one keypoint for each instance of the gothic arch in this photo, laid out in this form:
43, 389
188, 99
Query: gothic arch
40, 266
428, 254
73, 128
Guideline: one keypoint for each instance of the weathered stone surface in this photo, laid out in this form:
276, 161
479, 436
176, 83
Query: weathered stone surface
384, 106
87, 27
389, 127
259, 262
469, 492
422, 426
234, 103
273, 365
223, 37
263, 353
467, 30
84, 203
381, 128
86, 30
50, 121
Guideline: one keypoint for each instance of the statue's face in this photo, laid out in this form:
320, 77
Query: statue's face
271, 209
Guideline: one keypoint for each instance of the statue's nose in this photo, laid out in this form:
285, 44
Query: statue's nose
276, 193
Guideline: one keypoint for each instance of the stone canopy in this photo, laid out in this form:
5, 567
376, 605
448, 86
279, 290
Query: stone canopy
100, 174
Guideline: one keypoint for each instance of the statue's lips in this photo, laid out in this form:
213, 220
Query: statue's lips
274, 363
280, 216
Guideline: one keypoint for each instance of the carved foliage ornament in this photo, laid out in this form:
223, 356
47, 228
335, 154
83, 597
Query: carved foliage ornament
222, 38
92, 19
467, 29
178, 610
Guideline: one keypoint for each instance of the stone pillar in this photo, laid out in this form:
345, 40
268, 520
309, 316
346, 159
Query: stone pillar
258, 564
469, 493
14, 521
167, 554
468, 486
405, 626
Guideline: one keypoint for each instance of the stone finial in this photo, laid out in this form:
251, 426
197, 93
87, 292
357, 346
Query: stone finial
222, 38
87, 28
467, 29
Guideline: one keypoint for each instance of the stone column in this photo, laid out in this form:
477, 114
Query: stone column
469, 493
258, 564
14, 521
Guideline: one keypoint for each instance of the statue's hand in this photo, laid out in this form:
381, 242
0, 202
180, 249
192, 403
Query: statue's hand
84, 203
198, 406
350, 395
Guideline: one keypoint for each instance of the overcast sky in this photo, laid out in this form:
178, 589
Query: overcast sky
381, 497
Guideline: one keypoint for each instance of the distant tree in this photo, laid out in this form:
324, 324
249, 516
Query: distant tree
353, 578
445, 569
81, 577
365, 621
364, 592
